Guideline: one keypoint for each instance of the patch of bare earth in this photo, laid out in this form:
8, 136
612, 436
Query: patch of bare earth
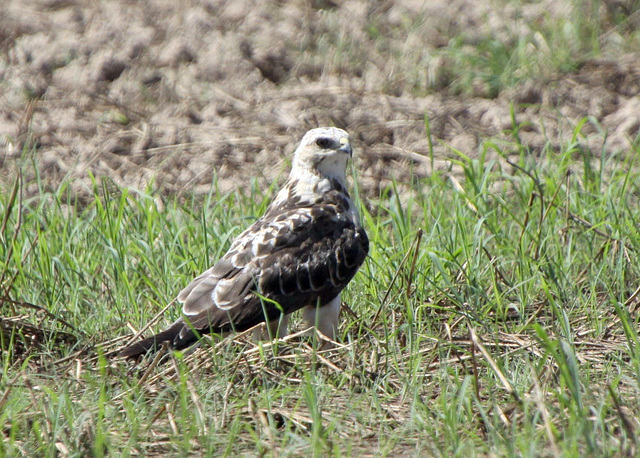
179, 92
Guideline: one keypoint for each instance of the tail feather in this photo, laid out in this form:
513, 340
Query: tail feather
153, 343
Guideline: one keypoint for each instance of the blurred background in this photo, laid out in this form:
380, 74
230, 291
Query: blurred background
177, 92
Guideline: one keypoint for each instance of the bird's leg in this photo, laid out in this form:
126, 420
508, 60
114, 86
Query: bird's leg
324, 318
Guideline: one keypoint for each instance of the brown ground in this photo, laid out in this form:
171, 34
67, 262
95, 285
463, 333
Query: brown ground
177, 91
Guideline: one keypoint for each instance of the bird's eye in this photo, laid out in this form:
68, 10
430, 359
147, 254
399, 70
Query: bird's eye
323, 142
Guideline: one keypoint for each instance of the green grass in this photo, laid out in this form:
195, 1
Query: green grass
487, 48
496, 315
486, 59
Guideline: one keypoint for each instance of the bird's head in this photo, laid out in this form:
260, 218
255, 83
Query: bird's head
324, 151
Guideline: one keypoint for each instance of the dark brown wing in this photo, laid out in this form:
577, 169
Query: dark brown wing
300, 257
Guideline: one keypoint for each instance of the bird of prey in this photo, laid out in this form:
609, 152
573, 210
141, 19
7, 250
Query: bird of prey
300, 254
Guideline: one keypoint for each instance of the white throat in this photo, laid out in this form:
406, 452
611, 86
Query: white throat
332, 167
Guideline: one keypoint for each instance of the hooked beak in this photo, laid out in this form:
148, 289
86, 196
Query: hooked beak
345, 146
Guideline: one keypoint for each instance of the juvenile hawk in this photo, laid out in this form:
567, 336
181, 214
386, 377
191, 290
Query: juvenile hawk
301, 253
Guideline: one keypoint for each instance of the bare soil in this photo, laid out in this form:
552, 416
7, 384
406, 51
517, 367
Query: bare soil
175, 93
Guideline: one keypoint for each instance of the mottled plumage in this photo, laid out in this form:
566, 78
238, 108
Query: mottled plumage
301, 253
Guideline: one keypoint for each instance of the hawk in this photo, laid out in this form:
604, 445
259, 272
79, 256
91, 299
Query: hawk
300, 254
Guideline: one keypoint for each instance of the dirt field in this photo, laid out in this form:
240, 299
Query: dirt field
179, 91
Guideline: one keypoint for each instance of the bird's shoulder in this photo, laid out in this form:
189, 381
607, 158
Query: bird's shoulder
276, 244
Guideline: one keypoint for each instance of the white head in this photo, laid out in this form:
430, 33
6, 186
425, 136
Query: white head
324, 151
